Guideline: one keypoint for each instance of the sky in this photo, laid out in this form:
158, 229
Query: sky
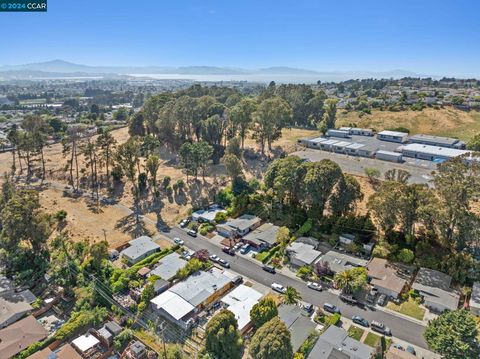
435, 37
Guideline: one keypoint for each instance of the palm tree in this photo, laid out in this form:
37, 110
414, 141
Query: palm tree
292, 296
344, 281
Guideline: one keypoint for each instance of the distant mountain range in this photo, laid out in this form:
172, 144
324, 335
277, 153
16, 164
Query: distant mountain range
60, 68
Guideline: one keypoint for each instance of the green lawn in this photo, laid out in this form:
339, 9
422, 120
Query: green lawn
410, 308
261, 256
372, 339
355, 332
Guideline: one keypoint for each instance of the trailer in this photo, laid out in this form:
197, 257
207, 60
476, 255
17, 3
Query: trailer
388, 156
338, 133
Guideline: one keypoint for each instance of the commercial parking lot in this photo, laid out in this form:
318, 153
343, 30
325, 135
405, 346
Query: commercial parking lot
420, 170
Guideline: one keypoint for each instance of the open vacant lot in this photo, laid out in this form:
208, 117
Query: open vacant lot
443, 122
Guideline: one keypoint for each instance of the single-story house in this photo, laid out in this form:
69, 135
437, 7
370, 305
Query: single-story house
264, 236
12, 308
434, 287
181, 302
86, 343
298, 323
239, 226
139, 248
64, 352
340, 262
207, 215
346, 238
20, 335
475, 299
108, 332
240, 301
301, 254
386, 277
335, 343
168, 266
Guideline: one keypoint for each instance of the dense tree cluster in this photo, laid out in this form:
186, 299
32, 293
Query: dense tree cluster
222, 338
272, 341
310, 187
453, 335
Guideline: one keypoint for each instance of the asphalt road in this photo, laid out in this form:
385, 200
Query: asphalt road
401, 328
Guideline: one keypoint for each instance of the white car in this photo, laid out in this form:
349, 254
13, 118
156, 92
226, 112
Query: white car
279, 288
178, 241
314, 286
214, 258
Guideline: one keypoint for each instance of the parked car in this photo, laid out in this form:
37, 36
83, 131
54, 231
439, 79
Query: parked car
245, 248
179, 241
314, 286
399, 347
214, 258
372, 295
348, 299
269, 269
192, 232
380, 327
359, 320
279, 288
308, 308
223, 263
184, 223
238, 246
228, 250
382, 300
331, 308
411, 350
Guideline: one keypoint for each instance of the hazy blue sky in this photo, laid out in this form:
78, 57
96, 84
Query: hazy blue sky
440, 37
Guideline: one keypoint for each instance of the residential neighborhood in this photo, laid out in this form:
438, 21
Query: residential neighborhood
240, 180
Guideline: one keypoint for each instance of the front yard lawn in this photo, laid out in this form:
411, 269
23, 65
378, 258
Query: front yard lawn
261, 256
410, 308
355, 332
372, 340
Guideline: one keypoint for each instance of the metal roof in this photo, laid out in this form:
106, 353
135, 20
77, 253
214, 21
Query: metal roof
393, 133
434, 150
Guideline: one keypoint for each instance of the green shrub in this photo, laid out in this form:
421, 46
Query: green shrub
334, 319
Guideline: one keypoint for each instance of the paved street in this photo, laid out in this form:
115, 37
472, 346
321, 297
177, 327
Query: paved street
402, 328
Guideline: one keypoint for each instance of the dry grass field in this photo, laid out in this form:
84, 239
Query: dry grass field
444, 122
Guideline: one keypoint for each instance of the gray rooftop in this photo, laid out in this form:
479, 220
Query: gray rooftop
266, 233
341, 261
6, 285
475, 297
169, 265
139, 246
299, 324
335, 343
243, 222
200, 286
433, 150
445, 141
434, 286
303, 251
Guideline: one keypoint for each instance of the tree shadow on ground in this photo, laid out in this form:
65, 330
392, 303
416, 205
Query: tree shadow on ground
130, 225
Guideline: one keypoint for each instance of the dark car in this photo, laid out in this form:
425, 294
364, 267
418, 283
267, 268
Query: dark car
269, 269
229, 251
331, 308
348, 299
192, 232
359, 320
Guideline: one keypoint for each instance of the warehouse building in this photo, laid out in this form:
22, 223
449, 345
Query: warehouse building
338, 133
393, 136
437, 141
388, 156
430, 153
358, 131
